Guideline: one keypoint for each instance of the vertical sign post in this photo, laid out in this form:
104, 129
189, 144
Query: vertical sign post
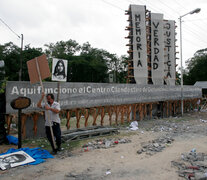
139, 43
157, 49
19, 104
169, 51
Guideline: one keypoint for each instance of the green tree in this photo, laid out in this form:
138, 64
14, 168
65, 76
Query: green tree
2, 71
122, 69
10, 54
97, 59
62, 49
28, 54
196, 68
85, 64
178, 78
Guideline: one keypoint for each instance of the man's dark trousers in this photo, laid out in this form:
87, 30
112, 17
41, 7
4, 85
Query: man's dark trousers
57, 134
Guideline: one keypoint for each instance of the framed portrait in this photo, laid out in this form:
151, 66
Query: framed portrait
11, 160
59, 70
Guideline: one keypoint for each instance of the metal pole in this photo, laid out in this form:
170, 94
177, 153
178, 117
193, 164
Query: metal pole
181, 64
19, 129
21, 57
197, 10
58, 95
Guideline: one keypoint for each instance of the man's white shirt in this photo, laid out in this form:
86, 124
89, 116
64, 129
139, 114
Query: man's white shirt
51, 116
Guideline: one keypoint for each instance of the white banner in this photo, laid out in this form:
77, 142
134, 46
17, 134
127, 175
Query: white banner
139, 44
169, 42
59, 70
86, 95
157, 49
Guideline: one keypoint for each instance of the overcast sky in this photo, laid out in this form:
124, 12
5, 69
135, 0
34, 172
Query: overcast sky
100, 22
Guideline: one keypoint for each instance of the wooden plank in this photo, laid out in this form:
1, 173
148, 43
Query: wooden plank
167, 110
95, 115
122, 114
88, 133
170, 107
163, 109
35, 117
8, 122
184, 106
68, 116
150, 105
24, 118
134, 110
129, 110
117, 114
78, 116
86, 115
140, 112
175, 107
102, 115
110, 112
144, 110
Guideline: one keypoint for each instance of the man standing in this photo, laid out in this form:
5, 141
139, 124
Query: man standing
52, 119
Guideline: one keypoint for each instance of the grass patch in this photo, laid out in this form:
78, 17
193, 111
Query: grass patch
44, 144
37, 142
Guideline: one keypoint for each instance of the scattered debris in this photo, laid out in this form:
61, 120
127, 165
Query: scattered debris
64, 154
74, 176
154, 146
103, 144
192, 165
133, 126
85, 175
202, 120
108, 172
179, 128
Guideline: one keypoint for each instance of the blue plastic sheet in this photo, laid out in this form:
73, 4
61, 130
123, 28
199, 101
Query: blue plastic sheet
12, 139
38, 154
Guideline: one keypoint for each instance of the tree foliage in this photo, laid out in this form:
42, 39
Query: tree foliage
85, 63
196, 68
62, 49
10, 53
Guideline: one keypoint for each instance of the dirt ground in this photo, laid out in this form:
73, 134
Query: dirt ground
122, 161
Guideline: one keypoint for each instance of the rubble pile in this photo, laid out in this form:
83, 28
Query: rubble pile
104, 143
192, 165
172, 127
156, 145
179, 128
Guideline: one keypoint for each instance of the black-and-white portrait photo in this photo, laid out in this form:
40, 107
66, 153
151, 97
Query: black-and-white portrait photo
11, 160
59, 70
